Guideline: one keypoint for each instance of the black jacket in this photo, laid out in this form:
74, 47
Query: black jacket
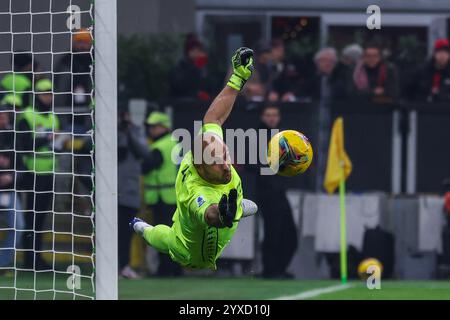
9, 162
384, 75
186, 80
340, 83
132, 149
423, 83
79, 82
25, 140
285, 78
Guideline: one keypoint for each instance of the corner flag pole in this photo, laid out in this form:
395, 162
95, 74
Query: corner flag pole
338, 169
343, 224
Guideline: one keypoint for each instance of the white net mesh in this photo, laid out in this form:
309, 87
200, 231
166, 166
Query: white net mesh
46, 149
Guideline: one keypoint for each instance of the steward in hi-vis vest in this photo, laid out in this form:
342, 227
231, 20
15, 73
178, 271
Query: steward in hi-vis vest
42, 124
14, 101
19, 82
160, 173
36, 128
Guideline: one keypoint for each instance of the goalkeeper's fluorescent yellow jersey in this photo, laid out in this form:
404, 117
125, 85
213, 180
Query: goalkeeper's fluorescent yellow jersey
204, 244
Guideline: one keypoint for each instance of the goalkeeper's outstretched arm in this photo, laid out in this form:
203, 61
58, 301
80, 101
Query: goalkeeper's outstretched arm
220, 108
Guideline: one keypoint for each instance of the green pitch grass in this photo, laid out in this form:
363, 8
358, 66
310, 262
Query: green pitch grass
249, 288
203, 288
394, 290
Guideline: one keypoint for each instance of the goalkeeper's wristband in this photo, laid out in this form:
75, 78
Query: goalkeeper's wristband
236, 82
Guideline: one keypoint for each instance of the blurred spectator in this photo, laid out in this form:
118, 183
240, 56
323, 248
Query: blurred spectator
35, 139
189, 78
74, 86
332, 78
132, 149
284, 77
75, 80
280, 235
375, 78
10, 204
263, 53
324, 87
160, 175
256, 87
446, 208
19, 82
342, 75
351, 54
434, 79
325, 60
444, 257
14, 101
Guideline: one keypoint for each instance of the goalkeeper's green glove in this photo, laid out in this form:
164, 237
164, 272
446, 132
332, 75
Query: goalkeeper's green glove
228, 208
242, 62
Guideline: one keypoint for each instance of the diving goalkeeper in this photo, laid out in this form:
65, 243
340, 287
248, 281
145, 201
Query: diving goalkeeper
209, 192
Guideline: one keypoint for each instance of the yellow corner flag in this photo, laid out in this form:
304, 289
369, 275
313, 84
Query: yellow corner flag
339, 165
339, 168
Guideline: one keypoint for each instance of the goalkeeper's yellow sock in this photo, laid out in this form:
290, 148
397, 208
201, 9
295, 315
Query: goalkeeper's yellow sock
158, 237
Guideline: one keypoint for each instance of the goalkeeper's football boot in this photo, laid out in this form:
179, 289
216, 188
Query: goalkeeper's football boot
139, 225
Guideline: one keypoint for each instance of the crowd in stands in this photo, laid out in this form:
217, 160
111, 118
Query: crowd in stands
361, 71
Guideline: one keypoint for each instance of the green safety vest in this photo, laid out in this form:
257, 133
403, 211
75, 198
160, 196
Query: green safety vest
13, 100
16, 82
160, 183
42, 161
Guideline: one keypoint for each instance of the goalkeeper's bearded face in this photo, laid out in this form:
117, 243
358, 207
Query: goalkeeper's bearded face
215, 166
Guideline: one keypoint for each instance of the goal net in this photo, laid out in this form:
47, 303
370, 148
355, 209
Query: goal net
47, 164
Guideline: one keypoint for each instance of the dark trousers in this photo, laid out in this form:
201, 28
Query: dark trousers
280, 233
162, 214
39, 207
124, 233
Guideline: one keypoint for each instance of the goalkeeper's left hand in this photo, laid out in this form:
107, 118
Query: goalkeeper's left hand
228, 208
242, 62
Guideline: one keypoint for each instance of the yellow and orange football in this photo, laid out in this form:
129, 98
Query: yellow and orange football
289, 153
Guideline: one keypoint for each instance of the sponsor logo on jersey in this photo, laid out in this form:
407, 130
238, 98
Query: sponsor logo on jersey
200, 201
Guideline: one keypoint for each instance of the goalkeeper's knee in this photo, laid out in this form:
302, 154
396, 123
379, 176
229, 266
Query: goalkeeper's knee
159, 237
249, 208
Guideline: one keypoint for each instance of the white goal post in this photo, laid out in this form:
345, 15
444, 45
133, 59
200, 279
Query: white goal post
106, 149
